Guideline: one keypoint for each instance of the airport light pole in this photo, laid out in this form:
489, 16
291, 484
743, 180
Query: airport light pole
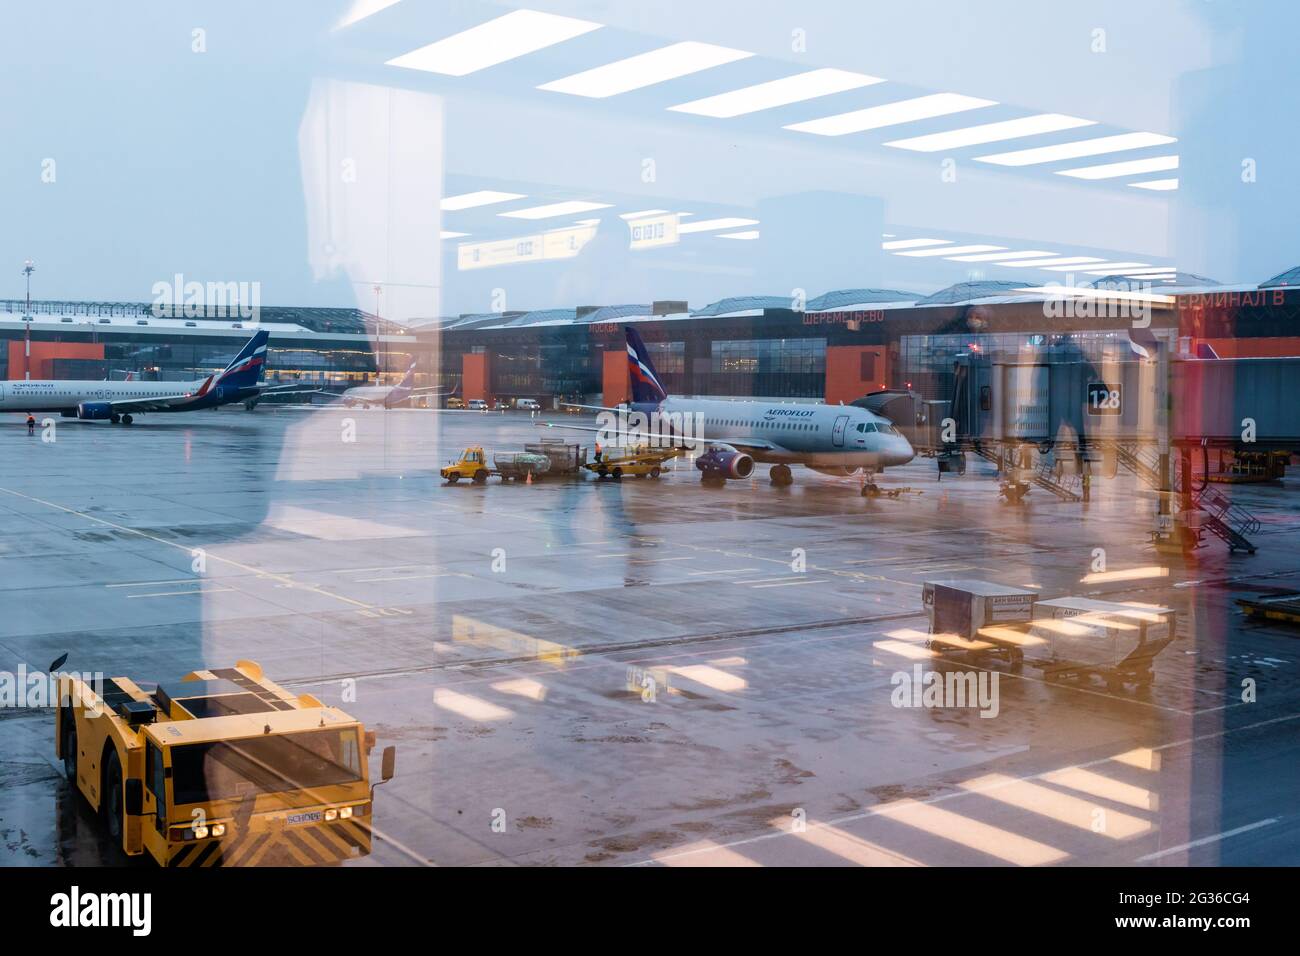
28, 268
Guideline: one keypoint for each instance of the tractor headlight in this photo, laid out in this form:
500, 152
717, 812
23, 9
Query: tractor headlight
331, 815
345, 813
200, 833
218, 829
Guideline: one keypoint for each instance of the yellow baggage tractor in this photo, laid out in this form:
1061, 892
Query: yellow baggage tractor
637, 462
220, 768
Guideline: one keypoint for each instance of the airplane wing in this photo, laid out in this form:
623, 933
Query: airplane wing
640, 437
287, 390
155, 404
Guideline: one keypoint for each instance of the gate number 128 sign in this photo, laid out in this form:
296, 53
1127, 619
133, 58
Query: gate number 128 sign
1105, 399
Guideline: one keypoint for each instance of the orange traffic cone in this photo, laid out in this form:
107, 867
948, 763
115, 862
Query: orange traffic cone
529, 479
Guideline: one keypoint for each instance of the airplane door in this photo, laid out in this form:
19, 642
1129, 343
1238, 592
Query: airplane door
837, 433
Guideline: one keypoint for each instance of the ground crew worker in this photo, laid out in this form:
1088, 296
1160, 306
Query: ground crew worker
597, 452
31, 424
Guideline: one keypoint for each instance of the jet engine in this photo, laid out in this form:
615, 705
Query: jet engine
95, 411
720, 463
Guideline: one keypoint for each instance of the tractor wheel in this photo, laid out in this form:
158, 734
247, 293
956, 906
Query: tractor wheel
110, 800
480, 476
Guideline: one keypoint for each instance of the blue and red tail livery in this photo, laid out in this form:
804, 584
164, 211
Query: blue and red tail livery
246, 368
646, 387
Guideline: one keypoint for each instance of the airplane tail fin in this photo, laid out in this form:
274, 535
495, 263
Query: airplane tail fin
246, 367
646, 386
402, 390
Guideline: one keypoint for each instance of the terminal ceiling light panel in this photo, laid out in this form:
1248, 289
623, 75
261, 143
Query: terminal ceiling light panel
505, 38
891, 114
1107, 267
915, 243
1159, 185
642, 213
706, 225
1157, 164
484, 197
570, 208
947, 251
766, 96
1077, 150
1054, 261
452, 235
645, 69
992, 132
1002, 256
746, 234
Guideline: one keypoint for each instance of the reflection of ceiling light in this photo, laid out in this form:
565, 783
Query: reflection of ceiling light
484, 197
1003, 256
641, 214
361, 9
645, 69
587, 222
1054, 261
1157, 184
1154, 270
948, 250
505, 38
1156, 164
747, 234
569, 208
451, 235
914, 243
891, 114
1087, 147
992, 132
765, 96
1106, 267
705, 225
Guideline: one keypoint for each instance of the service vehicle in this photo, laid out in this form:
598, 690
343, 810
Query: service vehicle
528, 405
636, 462
455, 402
220, 768
477, 405
473, 465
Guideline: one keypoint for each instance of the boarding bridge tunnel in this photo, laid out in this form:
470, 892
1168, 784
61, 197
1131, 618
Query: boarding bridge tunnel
1057, 422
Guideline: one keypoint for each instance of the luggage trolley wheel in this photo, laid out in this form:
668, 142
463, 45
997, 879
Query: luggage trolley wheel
618, 474
654, 472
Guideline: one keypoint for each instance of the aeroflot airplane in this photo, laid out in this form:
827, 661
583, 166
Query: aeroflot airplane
119, 401
386, 396
831, 439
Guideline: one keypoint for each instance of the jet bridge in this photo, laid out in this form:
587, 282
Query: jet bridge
1056, 422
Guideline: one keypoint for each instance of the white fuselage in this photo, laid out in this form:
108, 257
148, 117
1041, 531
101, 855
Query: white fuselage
21, 395
819, 436
366, 395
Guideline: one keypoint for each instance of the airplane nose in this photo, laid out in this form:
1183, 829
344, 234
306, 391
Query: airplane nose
898, 451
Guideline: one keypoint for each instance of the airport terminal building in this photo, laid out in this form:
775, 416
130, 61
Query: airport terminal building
835, 347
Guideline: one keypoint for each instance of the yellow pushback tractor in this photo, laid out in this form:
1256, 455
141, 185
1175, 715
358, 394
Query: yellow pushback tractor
221, 768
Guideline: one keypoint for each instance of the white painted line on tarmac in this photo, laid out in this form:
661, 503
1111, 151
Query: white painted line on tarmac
724, 571
158, 594
787, 584
140, 584
1208, 839
404, 577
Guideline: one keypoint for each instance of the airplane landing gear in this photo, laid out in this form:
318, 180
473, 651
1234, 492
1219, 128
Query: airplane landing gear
780, 476
870, 489
115, 418
127, 419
